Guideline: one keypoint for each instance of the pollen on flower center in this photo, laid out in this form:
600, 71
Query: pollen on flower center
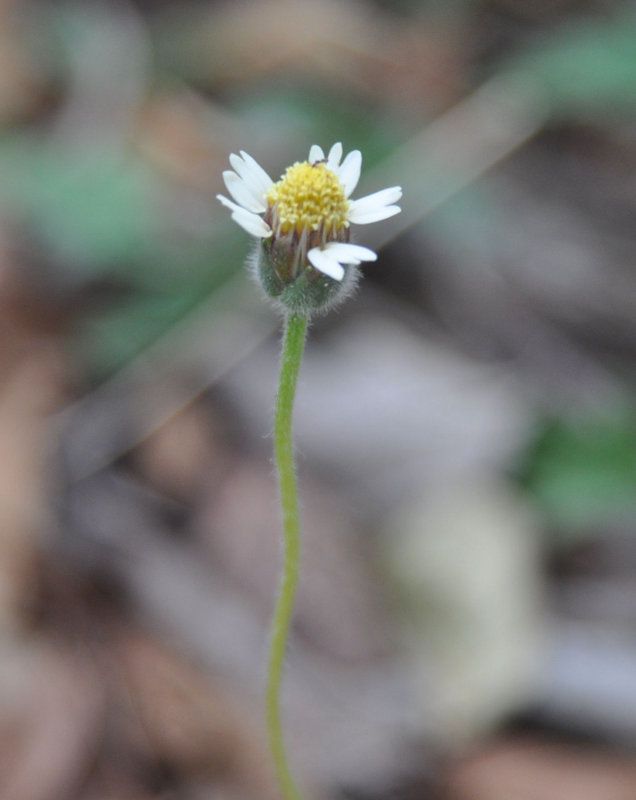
309, 197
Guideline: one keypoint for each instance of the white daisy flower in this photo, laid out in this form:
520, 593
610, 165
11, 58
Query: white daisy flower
304, 218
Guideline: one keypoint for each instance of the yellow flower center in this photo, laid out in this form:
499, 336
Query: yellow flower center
309, 197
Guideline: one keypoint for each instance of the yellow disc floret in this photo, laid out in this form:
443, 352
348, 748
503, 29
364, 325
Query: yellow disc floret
309, 197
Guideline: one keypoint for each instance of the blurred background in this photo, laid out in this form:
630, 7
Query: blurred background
465, 427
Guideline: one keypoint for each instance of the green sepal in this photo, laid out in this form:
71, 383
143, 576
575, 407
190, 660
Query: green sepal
299, 287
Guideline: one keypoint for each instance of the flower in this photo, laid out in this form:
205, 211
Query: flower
303, 219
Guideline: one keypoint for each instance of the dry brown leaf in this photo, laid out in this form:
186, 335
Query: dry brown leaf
192, 722
185, 455
32, 373
348, 43
49, 732
174, 132
21, 90
535, 770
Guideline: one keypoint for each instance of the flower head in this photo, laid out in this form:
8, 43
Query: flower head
303, 222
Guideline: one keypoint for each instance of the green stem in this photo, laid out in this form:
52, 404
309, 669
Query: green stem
292, 351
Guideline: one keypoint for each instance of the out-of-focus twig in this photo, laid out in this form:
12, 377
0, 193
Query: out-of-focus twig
209, 342
455, 150
108, 60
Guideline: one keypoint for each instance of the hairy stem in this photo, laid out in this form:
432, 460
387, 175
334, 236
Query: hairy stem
292, 351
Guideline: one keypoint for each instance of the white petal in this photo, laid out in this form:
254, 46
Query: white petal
382, 198
335, 154
349, 171
243, 193
347, 253
325, 264
252, 223
315, 154
366, 218
375, 206
228, 203
252, 173
263, 177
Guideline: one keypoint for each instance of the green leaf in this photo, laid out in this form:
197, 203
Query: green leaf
583, 69
91, 212
583, 471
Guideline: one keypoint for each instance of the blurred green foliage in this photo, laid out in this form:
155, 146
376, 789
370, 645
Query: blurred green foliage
319, 116
582, 471
96, 215
583, 67
90, 212
107, 341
